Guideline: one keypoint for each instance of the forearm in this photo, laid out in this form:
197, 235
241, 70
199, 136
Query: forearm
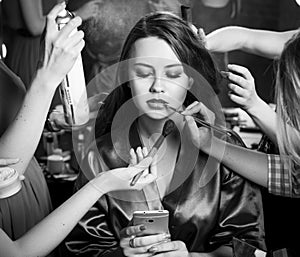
267, 43
57, 225
22, 136
226, 39
260, 42
222, 251
35, 20
247, 163
265, 117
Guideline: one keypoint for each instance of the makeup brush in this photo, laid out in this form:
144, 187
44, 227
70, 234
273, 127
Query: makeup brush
203, 123
168, 128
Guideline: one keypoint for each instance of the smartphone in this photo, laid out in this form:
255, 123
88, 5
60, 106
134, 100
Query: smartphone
156, 222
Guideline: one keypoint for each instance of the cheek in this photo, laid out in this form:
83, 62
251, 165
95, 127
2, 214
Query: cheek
179, 90
135, 88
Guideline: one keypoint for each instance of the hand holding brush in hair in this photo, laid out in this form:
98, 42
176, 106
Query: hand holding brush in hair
168, 128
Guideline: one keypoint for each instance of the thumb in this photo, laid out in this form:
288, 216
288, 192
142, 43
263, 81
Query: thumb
142, 165
56, 10
51, 24
192, 130
6, 162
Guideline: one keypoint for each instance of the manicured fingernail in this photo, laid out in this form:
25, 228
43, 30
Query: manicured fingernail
152, 250
143, 227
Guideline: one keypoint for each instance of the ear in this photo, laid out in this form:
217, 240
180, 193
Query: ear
191, 82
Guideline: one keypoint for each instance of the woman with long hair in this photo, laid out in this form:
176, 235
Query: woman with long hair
164, 66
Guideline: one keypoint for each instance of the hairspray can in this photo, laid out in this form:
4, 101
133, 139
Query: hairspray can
72, 88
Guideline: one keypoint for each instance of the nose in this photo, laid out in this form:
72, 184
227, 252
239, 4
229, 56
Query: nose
157, 85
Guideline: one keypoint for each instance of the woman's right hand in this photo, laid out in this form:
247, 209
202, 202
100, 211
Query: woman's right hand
200, 137
135, 242
61, 48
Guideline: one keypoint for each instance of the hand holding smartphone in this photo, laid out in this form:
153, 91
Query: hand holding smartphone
156, 222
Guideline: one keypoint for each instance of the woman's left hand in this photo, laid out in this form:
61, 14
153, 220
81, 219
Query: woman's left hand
170, 249
201, 136
242, 86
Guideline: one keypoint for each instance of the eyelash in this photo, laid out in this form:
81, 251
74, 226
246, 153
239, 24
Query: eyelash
143, 75
169, 75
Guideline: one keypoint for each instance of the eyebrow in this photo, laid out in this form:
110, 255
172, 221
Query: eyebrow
150, 66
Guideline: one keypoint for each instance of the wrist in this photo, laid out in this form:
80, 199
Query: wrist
101, 183
45, 81
256, 109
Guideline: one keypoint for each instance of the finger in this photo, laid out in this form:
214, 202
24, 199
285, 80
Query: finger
192, 126
149, 240
68, 29
51, 25
243, 71
21, 177
56, 10
130, 251
133, 157
6, 162
144, 164
132, 230
237, 89
191, 106
75, 50
139, 153
153, 166
73, 40
203, 110
236, 99
238, 80
145, 151
167, 247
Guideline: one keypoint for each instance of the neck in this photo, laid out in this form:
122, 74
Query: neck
151, 129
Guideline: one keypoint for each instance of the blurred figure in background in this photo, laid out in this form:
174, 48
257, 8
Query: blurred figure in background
23, 24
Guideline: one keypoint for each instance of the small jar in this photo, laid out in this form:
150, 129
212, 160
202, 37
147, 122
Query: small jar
10, 182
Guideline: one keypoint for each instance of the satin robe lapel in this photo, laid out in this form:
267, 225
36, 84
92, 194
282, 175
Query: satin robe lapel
187, 163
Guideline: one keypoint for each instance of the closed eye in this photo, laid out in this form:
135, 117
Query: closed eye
173, 75
143, 74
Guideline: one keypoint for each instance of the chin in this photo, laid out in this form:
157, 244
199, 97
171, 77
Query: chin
157, 115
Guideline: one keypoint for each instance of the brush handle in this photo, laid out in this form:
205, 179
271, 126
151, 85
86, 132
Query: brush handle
152, 152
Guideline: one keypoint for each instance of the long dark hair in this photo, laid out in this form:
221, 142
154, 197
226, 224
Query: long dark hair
188, 47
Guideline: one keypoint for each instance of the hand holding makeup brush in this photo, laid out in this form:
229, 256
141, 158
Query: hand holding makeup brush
200, 136
168, 128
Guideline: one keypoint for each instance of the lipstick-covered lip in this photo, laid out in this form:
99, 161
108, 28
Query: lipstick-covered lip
157, 101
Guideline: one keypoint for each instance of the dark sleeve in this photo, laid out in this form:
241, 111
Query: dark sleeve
240, 211
93, 235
